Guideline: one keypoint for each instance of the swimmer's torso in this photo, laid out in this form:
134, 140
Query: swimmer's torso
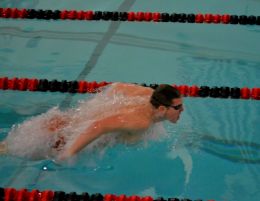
59, 125
45, 135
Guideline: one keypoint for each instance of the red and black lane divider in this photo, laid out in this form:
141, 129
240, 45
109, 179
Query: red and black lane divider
44, 85
128, 16
11, 194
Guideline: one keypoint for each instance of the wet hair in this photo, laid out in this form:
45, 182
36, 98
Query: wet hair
163, 95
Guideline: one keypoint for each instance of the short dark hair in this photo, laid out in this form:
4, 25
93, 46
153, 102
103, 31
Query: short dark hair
163, 95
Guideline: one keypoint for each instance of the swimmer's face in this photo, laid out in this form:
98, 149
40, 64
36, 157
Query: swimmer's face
174, 111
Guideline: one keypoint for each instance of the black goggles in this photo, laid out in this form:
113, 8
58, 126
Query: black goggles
176, 107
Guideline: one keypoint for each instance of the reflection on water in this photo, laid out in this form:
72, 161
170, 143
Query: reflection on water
232, 150
132, 40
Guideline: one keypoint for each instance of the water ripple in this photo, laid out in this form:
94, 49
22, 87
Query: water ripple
136, 41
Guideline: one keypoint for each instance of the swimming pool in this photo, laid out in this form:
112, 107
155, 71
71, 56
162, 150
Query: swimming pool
212, 153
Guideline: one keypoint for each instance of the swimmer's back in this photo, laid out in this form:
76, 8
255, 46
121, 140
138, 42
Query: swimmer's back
130, 89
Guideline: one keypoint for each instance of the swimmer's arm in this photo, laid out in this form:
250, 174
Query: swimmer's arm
111, 124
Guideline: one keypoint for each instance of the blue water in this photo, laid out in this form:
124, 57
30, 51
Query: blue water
212, 153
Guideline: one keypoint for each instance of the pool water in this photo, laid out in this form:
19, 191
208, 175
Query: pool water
214, 150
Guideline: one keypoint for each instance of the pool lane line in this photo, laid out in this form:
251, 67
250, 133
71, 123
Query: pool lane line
72, 87
139, 16
102, 44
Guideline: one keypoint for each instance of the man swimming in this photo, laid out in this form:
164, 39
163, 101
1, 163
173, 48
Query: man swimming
122, 108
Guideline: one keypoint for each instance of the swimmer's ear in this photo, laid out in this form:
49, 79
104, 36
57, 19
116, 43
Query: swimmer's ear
162, 109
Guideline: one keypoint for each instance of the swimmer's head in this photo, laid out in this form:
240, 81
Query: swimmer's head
167, 101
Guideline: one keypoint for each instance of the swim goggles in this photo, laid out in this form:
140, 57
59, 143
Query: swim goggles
176, 107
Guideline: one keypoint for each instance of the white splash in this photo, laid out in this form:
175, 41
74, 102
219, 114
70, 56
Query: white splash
182, 152
149, 192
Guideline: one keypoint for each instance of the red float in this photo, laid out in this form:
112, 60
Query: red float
22, 195
148, 16
32, 84
131, 16
255, 93
13, 83
208, 18
121, 198
216, 19
22, 84
194, 90
109, 197
6, 12
14, 13
22, 13
4, 83
225, 19
10, 194
92, 86
156, 17
89, 15
134, 198
199, 18
184, 90
83, 86
139, 16
46, 196
147, 198
34, 195
245, 93
72, 15
80, 15
64, 14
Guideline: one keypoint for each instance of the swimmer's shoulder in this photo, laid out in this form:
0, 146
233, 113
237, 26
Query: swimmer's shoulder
132, 89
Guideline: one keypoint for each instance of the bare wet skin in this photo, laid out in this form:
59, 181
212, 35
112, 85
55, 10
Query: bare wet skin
58, 122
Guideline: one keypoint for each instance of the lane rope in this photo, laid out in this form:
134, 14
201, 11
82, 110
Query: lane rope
140, 16
11, 194
44, 85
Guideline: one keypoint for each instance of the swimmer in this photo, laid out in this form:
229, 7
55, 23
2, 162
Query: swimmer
164, 103
123, 108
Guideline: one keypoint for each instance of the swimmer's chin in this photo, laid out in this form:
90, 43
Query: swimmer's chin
174, 121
